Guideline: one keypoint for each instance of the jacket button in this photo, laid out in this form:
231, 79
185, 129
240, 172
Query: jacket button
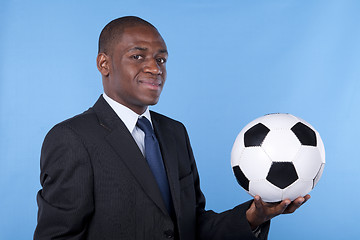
169, 234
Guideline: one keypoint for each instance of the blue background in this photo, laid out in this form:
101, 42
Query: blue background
230, 62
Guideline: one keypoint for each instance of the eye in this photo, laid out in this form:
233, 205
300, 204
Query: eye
161, 60
137, 57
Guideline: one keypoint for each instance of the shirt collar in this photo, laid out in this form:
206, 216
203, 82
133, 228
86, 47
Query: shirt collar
128, 116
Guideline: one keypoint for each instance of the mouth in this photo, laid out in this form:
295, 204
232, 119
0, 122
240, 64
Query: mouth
151, 83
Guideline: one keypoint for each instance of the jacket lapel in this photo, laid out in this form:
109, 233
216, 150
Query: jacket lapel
126, 148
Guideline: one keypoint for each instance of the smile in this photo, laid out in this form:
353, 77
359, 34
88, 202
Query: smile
151, 82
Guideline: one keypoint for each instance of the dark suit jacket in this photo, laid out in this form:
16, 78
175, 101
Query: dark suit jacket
96, 184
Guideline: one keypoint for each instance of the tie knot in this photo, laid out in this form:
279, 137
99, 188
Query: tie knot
145, 126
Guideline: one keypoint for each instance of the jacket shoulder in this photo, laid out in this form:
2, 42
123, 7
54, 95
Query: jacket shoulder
164, 119
81, 125
80, 121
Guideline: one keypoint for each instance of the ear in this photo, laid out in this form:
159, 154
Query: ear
103, 64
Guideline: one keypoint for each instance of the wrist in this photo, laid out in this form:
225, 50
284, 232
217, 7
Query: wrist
252, 219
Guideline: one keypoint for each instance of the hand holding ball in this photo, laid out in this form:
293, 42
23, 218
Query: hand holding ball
278, 156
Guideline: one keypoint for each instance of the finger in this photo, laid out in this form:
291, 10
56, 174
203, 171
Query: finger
258, 202
295, 205
278, 207
307, 197
299, 201
283, 206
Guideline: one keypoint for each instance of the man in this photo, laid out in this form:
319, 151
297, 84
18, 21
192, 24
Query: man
97, 169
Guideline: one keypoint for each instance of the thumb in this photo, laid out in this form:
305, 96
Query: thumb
258, 202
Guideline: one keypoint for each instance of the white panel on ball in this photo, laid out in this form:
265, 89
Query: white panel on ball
317, 178
307, 162
237, 152
255, 163
278, 121
321, 147
298, 189
267, 191
275, 142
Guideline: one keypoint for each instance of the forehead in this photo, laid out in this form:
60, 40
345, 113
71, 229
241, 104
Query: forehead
141, 36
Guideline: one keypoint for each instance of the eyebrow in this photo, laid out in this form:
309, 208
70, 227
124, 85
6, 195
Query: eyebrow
144, 49
137, 48
163, 51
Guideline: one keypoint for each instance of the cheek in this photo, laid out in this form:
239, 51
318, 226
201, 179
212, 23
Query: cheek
123, 79
164, 74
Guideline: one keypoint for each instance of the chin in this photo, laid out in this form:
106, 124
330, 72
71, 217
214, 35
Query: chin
152, 102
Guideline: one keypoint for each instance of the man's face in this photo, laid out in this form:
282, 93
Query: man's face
137, 68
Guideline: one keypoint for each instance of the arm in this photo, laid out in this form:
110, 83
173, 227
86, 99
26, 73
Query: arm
66, 199
231, 224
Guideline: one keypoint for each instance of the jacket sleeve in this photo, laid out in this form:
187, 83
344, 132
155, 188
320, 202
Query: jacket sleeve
66, 199
228, 225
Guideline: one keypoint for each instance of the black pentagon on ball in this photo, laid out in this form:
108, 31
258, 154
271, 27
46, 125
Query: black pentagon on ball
241, 178
282, 174
305, 134
255, 136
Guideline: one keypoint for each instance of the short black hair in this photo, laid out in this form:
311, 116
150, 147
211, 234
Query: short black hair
115, 28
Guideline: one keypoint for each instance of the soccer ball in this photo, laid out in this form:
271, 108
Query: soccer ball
278, 156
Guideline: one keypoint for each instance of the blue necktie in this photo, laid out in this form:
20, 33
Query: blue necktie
154, 159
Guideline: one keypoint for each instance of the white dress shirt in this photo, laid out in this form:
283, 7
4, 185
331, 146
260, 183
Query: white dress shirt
129, 117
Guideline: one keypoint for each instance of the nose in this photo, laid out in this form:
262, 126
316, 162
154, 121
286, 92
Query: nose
152, 66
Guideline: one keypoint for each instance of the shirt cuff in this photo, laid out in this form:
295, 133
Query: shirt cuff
257, 231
